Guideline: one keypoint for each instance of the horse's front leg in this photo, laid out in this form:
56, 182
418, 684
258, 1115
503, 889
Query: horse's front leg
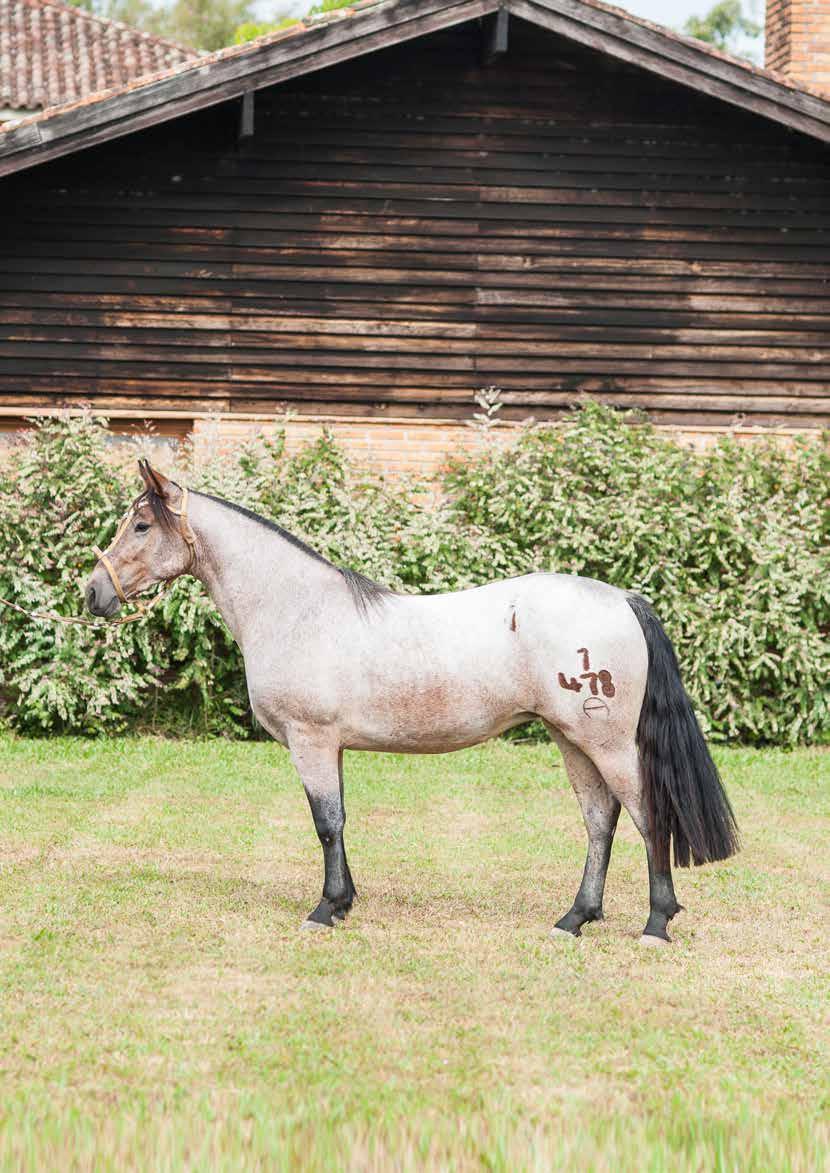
320, 766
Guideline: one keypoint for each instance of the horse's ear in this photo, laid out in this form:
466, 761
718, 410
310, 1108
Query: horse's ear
153, 479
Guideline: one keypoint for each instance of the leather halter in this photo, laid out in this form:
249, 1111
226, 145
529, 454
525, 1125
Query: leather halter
103, 556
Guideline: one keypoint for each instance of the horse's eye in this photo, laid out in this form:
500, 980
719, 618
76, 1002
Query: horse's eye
141, 527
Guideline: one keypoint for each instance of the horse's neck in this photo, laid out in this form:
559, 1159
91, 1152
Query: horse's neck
247, 567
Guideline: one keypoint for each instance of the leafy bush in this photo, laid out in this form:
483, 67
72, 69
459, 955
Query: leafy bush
729, 546
57, 498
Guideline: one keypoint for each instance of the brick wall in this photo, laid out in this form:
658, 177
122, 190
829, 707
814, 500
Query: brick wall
389, 447
797, 41
395, 447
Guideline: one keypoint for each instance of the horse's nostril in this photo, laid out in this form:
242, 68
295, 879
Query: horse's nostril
90, 596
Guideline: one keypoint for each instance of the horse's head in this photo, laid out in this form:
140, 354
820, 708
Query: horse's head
153, 543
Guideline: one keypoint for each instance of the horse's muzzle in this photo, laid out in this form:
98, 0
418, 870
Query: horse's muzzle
100, 597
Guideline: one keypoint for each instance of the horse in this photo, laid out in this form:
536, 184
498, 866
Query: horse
335, 661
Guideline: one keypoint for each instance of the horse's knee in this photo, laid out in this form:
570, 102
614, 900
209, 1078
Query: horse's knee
328, 833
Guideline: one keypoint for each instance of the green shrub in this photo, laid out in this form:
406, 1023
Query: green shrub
57, 498
729, 546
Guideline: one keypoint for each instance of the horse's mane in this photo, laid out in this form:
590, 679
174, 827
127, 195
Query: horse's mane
365, 592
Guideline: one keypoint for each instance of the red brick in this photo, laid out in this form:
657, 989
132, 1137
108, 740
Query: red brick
798, 41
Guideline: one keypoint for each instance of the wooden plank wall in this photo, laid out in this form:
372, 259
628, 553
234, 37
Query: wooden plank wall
405, 229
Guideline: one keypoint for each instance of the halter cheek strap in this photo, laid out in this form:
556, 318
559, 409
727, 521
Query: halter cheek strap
103, 556
186, 530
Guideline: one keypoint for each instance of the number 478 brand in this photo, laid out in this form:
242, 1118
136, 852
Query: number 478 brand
600, 680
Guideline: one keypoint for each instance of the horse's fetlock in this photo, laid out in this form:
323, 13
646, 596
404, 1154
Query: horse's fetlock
666, 908
588, 912
663, 900
339, 903
657, 924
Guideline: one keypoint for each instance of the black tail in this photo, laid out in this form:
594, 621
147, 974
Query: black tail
685, 796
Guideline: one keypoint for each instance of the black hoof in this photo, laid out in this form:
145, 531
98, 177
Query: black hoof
564, 934
657, 927
568, 926
327, 914
323, 914
573, 921
656, 939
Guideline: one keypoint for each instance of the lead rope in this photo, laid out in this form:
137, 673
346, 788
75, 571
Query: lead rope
70, 620
142, 609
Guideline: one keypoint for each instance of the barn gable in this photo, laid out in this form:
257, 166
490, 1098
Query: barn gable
373, 25
385, 236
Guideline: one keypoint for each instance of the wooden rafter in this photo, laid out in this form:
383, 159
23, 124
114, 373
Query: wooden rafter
246, 115
495, 37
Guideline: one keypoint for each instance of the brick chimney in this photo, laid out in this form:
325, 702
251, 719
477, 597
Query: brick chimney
797, 41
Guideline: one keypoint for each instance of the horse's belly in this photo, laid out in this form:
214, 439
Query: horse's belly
432, 738
431, 716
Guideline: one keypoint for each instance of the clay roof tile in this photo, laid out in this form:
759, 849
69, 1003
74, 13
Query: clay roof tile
52, 54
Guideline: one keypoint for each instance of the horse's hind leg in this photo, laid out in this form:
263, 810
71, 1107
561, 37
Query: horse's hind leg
621, 770
600, 810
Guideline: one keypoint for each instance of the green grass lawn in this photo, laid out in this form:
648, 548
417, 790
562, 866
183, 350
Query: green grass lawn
160, 1009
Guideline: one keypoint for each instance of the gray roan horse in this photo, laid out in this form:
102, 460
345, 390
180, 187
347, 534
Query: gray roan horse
334, 661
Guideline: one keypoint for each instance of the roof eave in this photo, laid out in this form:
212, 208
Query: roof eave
196, 86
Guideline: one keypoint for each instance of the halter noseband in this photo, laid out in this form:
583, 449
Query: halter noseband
103, 555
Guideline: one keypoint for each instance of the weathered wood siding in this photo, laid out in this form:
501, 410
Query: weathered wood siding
405, 229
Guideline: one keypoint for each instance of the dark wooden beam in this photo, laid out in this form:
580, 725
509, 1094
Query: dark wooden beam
495, 37
246, 115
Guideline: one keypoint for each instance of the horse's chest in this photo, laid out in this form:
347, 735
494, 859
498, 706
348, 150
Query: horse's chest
282, 696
